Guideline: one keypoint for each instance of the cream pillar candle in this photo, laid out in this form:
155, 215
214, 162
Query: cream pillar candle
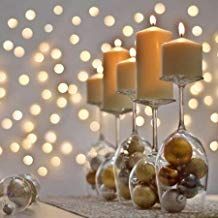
148, 59
95, 89
111, 100
126, 75
182, 58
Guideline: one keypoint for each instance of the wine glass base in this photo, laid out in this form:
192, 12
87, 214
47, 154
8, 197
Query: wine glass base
154, 102
181, 79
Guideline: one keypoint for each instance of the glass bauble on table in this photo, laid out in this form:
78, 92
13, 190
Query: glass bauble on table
129, 152
182, 165
142, 181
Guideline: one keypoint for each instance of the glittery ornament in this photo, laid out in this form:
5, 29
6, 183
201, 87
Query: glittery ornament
173, 201
178, 151
197, 167
144, 197
168, 176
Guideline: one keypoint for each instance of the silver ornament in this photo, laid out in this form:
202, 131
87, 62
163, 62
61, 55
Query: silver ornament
107, 193
173, 201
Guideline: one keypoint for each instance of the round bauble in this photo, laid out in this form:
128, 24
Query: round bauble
134, 145
197, 167
144, 197
124, 190
108, 177
168, 176
90, 177
145, 171
134, 158
107, 193
178, 151
173, 201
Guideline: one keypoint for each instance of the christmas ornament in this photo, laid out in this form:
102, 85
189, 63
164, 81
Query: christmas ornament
173, 201
107, 193
124, 190
108, 177
145, 172
134, 158
178, 151
197, 167
189, 186
143, 197
8, 209
90, 177
95, 162
134, 145
168, 176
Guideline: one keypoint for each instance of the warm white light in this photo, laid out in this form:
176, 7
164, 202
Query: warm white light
197, 30
44, 47
19, 51
58, 10
83, 114
17, 115
62, 87
12, 23
94, 126
193, 10
28, 126
39, 57
74, 39
47, 148
181, 29
48, 28
61, 102
214, 117
76, 20
72, 89
132, 52
138, 17
42, 171
8, 45
30, 14
1, 150
85, 56
51, 137
208, 100
153, 20
56, 53
3, 77
140, 121
59, 68
187, 119
24, 79
28, 160
83, 76
204, 65
206, 47
66, 148
148, 111
46, 94
6, 123
109, 20
42, 76
127, 31
105, 47
159, 8
196, 88
27, 144
214, 146
93, 11
2, 92
14, 147
81, 159
32, 138
193, 103
27, 33
54, 118
55, 161
75, 99
35, 109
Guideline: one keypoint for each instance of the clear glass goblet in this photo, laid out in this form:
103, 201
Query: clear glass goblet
182, 166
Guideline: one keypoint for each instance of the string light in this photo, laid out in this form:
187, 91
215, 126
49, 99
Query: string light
193, 103
81, 159
42, 76
61, 102
12, 23
72, 89
83, 114
2, 92
32, 138
51, 136
27, 33
109, 21
138, 17
8, 45
197, 30
193, 10
47, 148
42, 171
1, 150
214, 146
94, 126
44, 47
48, 28
76, 20
17, 115
127, 31
208, 100
3, 77
55, 161
30, 14
6, 123
93, 11
28, 126
24, 79
56, 53
159, 8
62, 87
74, 39
75, 99
214, 117
66, 148
39, 57
140, 121
83, 76
54, 118
105, 47
85, 56
28, 160
46, 94
35, 109
14, 147
148, 111
58, 10
59, 68
19, 52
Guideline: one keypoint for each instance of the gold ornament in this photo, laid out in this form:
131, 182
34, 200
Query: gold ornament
168, 176
124, 191
108, 177
197, 167
145, 172
178, 151
134, 158
144, 197
90, 177
134, 145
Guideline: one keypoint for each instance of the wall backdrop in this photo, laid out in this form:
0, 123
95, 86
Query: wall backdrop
48, 48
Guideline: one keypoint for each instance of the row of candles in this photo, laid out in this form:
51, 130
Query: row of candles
176, 176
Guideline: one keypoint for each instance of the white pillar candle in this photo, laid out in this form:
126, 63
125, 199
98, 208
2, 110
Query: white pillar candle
182, 58
126, 75
95, 89
111, 100
148, 59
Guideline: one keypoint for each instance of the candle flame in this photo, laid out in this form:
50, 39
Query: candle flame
181, 28
153, 20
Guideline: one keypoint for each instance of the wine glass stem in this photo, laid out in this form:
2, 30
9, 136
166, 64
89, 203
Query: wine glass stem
101, 135
154, 128
134, 114
117, 130
181, 107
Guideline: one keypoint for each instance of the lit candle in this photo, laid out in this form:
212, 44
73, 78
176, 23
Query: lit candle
126, 75
95, 89
148, 59
182, 58
111, 100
